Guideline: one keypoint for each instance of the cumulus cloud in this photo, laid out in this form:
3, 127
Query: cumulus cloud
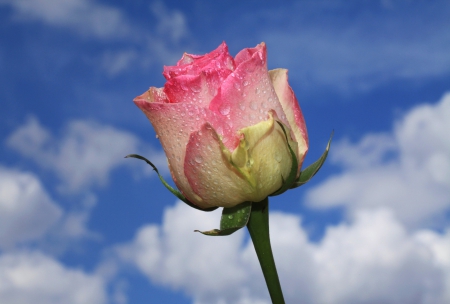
85, 154
27, 212
407, 170
32, 277
371, 259
88, 18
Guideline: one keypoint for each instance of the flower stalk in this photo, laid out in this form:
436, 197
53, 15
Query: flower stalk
258, 227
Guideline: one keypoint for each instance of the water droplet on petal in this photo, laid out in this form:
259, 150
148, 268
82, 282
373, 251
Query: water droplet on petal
245, 83
253, 105
198, 159
196, 89
278, 157
257, 90
224, 109
242, 106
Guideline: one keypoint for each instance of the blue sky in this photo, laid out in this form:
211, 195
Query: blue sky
80, 224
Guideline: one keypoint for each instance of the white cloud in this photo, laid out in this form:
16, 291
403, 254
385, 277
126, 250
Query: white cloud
116, 62
371, 259
31, 277
85, 17
85, 154
145, 46
27, 212
408, 170
171, 23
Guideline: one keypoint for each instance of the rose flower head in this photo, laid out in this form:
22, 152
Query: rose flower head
232, 131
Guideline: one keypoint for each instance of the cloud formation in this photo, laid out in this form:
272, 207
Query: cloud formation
407, 171
370, 259
88, 18
32, 277
85, 154
27, 212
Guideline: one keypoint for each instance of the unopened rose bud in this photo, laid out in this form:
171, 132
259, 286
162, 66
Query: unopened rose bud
229, 127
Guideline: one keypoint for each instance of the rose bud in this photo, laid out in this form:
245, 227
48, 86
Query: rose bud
229, 127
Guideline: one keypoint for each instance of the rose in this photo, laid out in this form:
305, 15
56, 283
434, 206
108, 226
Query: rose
229, 127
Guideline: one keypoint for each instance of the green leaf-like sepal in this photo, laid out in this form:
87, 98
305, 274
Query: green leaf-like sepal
287, 184
233, 219
175, 192
311, 170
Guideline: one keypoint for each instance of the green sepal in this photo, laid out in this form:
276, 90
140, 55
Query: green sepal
174, 191
233, 219
287, 184
311, 170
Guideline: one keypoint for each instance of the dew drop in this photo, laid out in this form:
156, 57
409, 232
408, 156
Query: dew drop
242, 106
278, 157
245, 83
224, 109
198, 159
237, 86
264, 105
196, 89
253, 105
257, 91
157, 136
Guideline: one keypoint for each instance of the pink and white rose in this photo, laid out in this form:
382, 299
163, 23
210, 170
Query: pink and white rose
217, 118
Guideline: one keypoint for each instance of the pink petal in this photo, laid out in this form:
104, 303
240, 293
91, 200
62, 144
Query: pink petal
198, 82
247, 95
246, 54
174, 122
292, 109
193, 64
210, 173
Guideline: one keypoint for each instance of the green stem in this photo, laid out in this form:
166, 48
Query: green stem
258, 226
